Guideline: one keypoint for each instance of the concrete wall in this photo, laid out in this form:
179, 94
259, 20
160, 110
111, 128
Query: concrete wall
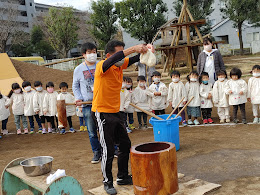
256, 47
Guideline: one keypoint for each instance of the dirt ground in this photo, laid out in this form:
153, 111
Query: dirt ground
228, 155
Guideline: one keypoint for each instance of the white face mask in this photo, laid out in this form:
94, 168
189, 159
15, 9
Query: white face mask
17, 91
256, 74
175, 80
92, 58
120, 63
193, 80
141, 84
208, 48
221, 79
28, 88
38, 88
156, 80
128, 86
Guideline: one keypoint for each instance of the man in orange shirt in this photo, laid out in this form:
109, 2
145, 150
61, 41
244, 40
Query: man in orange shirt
105, 110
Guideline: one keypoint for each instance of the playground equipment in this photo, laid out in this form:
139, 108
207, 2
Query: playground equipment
8, 74
14, 180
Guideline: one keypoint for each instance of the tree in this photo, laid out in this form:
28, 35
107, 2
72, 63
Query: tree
142, 18
62, 29
102, 21
240, 11
200, 9
9, 25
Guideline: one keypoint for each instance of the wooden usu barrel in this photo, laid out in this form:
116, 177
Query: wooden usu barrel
154, 168
62, 116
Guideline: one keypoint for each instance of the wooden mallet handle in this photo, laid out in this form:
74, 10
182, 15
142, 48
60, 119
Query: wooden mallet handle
74, 104
149, 113
184, 107
176, 107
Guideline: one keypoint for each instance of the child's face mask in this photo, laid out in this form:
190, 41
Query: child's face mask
156, 79
175, 80
17, 91
256, 73
234, 77
205, 80
221, 79
28, 88
50, 89
142, 84
38, 89
128, 86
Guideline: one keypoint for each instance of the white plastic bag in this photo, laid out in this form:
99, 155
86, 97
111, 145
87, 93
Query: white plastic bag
52, 177
148, 58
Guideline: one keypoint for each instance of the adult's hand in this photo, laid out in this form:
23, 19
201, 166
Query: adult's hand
140, 48
78, 102
151, 47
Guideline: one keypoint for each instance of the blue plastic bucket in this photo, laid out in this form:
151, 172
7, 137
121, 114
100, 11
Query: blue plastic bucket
166, 130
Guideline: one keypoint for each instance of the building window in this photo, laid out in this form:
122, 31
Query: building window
30, 4
22, 2
212, 22
32, 15
24, 13
256, 36
222, 4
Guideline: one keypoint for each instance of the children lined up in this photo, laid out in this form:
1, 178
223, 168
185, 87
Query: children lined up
41, 104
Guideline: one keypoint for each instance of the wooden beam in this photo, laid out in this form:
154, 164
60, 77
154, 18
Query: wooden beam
155, 36
61, 61
179, 20
196, 28
195, 22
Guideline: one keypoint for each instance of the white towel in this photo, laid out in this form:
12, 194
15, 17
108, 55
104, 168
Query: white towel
148, 58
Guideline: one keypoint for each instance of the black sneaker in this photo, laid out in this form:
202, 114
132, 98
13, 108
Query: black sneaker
235, 121
125, 181
109, 188
244, 121
96, 158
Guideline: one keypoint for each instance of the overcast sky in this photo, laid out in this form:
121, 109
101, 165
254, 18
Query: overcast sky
78, 4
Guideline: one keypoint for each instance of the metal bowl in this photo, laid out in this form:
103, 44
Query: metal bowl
37, 165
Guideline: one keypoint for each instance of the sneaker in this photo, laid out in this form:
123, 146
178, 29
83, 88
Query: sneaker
85, 128
81, 129
140, 126
109, 188
196, 122
0, 137
184, 123
145, 126
190, 122
128, 130
205, 121
40, 130
235, 121
62, 131
210, 121
255, 121
49, 130
222, 121
131, 126
125, 181
5, 132
72, 130
25, 131
227, 120
244, 121
44, 131
19, 132
31, 131
96, 158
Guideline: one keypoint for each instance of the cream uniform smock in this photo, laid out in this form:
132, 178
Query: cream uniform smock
4, 112
18, 103
193, 89
50, 103
157, 102
205, 90
38, 101
28, 103
124, 100
176, 92
254, 90
130, 109
70, 109
220, 98
140, 99
236, 86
